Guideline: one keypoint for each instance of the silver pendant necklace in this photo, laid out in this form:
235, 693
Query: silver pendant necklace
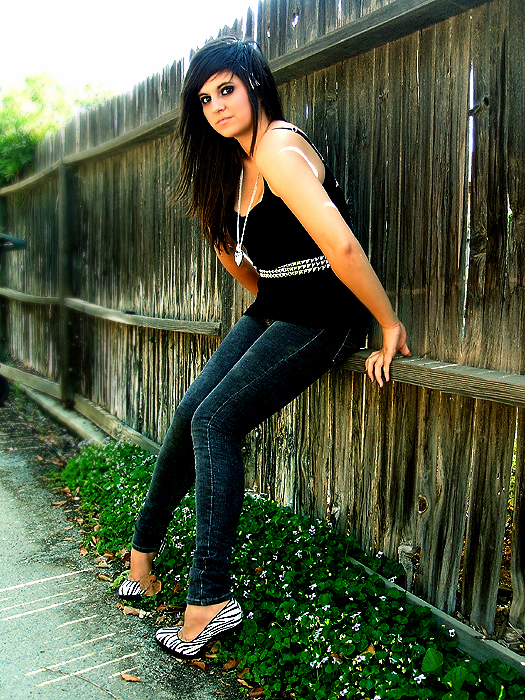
239, 255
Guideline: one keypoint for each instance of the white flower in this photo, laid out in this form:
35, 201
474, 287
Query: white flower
356, 626
452, 633
379, 555
311, 531
250, 615
299, 554
420, 678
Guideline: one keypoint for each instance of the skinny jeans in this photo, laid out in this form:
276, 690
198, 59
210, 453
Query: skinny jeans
258, 368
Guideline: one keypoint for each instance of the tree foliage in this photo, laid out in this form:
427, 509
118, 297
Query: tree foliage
36, 108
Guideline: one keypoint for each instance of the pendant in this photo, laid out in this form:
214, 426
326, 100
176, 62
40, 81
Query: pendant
238, 255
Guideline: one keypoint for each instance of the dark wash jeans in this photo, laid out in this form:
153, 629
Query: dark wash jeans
257, 369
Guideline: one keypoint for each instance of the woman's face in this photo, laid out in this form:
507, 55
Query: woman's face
226, 106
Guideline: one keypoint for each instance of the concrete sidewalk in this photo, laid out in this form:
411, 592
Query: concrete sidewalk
61, 634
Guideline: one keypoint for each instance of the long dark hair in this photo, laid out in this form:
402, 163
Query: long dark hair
210, 163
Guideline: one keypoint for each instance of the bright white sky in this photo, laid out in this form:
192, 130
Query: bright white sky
112, 43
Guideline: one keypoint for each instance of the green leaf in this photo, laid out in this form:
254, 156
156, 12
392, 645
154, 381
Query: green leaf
432, 661
456, 677
457, 695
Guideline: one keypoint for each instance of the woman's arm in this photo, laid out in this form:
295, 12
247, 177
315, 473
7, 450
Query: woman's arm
285, 160
245, 273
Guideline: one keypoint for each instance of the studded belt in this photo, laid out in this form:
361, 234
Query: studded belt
301, 267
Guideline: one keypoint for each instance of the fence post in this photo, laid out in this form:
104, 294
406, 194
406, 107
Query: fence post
3, 300
68, 373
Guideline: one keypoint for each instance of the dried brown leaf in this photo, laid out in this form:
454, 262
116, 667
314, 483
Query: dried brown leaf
243, 683
103, 577
58, 504
128, 610
129, 677
83, 551
256, 692
150, 585
198, 663
370, 650
231, 664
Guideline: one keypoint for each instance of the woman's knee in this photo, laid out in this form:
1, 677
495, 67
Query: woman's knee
209, 417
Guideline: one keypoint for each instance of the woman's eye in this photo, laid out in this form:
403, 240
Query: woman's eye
204, 99
227, 90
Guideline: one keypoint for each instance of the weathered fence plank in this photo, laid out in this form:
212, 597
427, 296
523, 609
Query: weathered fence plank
515, 105
517, 609
445, 463
489, 493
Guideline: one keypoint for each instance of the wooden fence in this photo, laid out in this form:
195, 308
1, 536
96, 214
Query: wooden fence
116, 303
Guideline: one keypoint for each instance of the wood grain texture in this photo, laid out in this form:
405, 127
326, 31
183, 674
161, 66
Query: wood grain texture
515, 100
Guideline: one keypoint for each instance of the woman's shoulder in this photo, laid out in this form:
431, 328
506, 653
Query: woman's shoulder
279, 132
281, 139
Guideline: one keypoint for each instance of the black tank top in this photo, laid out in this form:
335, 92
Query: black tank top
275, 237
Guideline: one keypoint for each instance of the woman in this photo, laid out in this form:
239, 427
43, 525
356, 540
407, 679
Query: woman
279, 224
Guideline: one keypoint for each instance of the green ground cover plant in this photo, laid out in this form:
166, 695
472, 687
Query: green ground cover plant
316, 626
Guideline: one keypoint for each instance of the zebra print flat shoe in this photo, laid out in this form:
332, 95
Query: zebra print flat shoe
226, 620
131, 590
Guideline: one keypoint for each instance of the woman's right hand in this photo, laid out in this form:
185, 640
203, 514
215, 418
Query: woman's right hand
378, 363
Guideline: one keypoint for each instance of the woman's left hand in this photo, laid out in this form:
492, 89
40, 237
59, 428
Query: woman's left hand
377, 364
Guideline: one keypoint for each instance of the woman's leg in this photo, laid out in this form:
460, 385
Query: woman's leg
175, 467
281, 364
